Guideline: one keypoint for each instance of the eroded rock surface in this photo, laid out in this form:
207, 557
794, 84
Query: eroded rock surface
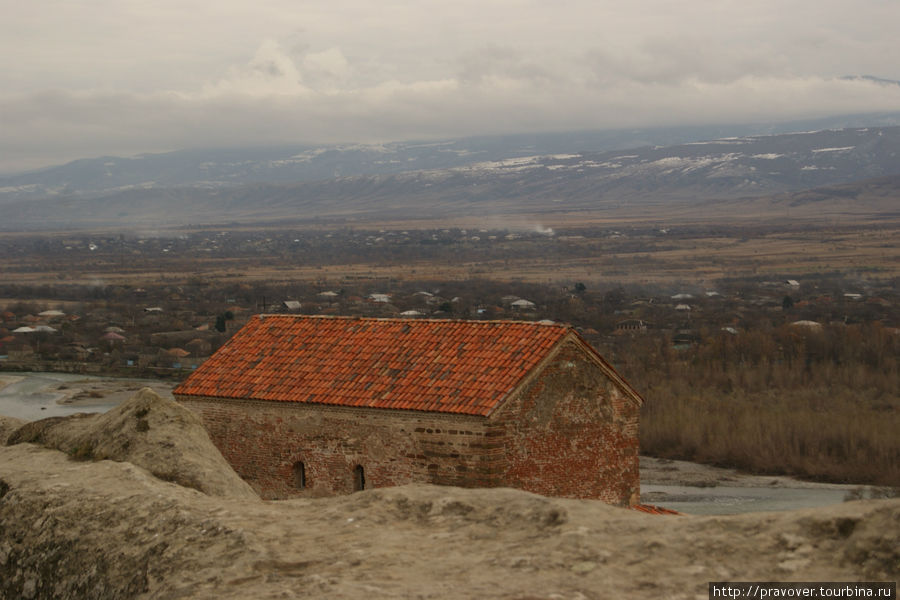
146, 430
82, 529
7, 426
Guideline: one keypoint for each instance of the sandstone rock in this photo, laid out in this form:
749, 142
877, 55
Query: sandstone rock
7, 426
109, 530
149, 431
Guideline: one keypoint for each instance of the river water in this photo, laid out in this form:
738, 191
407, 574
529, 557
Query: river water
32, 396
731, 500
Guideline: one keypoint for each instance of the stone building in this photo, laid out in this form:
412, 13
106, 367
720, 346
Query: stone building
304, 405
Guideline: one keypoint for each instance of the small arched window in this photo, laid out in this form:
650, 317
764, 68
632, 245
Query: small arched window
299, 475
359, 478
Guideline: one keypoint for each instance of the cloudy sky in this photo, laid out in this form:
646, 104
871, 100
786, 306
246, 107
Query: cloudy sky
83, 78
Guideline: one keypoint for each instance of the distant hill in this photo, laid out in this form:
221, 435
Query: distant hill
886, 188
648, 179
212, 168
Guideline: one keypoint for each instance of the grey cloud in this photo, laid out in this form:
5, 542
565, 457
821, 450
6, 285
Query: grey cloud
675, 60
161, 76
92, 124
502, 62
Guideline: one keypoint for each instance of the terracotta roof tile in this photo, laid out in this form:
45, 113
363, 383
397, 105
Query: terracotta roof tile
654, 510
432, 365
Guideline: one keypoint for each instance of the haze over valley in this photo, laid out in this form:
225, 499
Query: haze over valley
465, 179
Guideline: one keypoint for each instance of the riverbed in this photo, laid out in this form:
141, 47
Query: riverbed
728, 500
32, 396
698, 489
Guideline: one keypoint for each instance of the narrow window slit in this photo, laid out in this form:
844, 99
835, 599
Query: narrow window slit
359, 478
299, 475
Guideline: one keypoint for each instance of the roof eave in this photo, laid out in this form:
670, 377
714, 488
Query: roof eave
186, 395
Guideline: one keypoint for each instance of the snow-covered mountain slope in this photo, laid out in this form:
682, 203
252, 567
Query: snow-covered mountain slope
680, 175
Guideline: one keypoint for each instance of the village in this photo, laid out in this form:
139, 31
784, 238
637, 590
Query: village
167, 328
704, 322
106, 302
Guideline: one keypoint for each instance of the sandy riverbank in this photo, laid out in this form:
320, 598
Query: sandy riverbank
32, 396
661, 471
6, 380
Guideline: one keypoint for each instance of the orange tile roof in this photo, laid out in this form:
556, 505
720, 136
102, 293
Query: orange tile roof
654, 510
464, 367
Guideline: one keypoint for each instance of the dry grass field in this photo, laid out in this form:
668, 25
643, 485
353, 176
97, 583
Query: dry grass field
623, 252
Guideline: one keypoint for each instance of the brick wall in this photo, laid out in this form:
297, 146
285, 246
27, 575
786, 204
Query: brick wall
264, 440
570, 431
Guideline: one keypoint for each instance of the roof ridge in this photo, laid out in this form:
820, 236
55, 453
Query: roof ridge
407, 320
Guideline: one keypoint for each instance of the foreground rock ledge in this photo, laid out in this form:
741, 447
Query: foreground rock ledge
71, 529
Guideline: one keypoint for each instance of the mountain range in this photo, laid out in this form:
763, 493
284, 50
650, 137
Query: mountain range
474, 177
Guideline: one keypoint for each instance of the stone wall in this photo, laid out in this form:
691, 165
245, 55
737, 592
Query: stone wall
265, 441
570, 431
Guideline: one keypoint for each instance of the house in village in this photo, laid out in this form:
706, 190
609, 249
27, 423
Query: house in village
632, 325
291, 306
303, 405
523, 305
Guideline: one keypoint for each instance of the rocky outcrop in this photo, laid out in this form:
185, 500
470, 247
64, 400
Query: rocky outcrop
149, 431
7, 426
109, 530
